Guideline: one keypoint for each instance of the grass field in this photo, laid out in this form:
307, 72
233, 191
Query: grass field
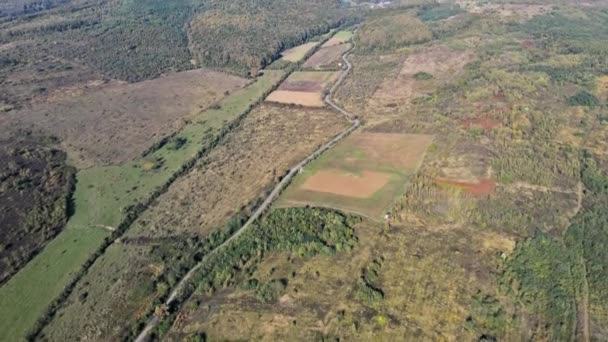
339, 38
363, 174
297, 53
327, 57
101, 196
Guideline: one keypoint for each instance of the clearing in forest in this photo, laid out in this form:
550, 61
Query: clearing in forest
362, 174
303, 88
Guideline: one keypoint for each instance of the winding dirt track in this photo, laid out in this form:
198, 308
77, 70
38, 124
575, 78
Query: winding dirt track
153, 322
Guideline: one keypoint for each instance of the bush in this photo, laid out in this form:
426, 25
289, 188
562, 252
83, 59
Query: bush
584, 98
422, 76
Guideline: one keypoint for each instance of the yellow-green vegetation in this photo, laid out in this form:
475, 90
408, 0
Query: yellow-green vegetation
298, 53
107, 199
393, 32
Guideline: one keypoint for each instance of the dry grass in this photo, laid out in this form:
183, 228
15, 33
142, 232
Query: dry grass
117, 122
327, 57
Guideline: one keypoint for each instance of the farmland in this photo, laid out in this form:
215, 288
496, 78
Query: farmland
103, 198
327, 57
223, 178
297, 53
304, 88
363, 174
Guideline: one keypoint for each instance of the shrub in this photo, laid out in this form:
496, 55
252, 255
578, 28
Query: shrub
584, 98
422, 76
392, 32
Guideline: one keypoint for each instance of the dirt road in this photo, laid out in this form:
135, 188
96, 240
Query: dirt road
355, 123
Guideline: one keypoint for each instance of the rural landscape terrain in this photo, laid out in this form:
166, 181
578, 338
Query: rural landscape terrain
272, 170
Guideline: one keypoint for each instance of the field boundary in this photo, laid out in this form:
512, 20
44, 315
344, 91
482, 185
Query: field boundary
137, 209
356, 123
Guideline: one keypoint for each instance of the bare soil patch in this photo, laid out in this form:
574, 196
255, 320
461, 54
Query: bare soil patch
296, 97
351, 185
118, 122
305, 86
327, 56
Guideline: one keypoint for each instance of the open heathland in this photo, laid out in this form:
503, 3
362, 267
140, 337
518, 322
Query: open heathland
363, 174
238, 172
117, 122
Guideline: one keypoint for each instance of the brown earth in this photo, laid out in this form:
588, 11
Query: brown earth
339, 183
306, 99
482, 188
327, 56
117, 122
304, 86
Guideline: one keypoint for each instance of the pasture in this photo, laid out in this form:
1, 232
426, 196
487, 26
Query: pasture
101, 199
304, 88
297, 53
340, 37
363, 174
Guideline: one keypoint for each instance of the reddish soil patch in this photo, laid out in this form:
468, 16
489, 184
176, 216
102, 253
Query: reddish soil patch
339, 183
482, 188
306, 86
481, 123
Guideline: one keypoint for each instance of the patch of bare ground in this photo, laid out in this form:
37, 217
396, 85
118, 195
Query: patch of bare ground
507, 11
269, 141
117, 122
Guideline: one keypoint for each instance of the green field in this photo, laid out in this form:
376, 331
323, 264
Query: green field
343, 36
101, 198
298, 53
353, 157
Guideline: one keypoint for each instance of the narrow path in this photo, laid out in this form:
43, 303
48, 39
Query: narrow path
355, 123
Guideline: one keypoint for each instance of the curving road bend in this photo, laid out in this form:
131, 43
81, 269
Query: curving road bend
153, 322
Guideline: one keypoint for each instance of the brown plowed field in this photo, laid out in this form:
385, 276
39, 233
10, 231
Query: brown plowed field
340, 183
296, 97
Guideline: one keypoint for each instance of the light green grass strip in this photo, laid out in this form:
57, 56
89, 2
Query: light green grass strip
102, 194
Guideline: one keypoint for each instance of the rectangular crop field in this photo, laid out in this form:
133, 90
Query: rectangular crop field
327, 57
297, 53
303, 88
363, 174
